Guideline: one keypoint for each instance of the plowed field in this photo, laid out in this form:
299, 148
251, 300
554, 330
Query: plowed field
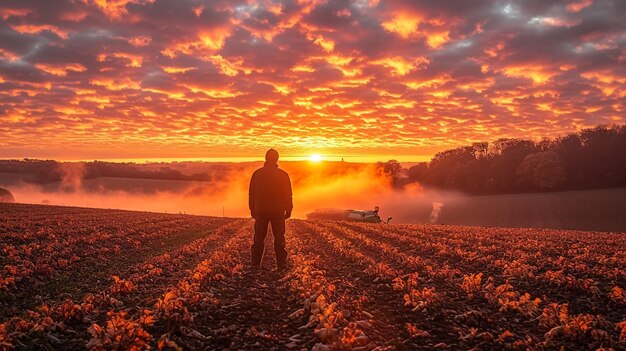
76, 279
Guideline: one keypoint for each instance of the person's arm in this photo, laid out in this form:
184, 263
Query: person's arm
251, 196
288, 198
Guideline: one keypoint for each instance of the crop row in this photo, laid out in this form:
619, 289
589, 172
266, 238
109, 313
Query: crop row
38, 250
129, 301
446, 282
170, 281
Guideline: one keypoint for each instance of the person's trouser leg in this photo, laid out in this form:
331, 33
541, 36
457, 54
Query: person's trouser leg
258, 246
278, 229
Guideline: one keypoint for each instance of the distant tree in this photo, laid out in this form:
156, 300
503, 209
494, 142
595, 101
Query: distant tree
506, 156
591, 158
131, 170
546, 144
418, 172
542, 170
6, 196
620, 156
594, 158
393, 169
34, 171
602, 146
448, 168
570, 149
597, 155
481, 150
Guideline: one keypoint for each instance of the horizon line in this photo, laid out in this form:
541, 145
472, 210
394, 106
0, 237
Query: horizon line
241, 159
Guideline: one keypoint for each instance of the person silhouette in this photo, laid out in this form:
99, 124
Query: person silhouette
270, 201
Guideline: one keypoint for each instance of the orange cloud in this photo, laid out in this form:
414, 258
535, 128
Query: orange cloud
175, 70
172, 79
403, 24
116, 84
437, 39
230, 67
61, 70
409, 26
7, 55
537, 73
113, 9
579, 6
214, 39
36, 29
400, 66
6, 13
141, 40
74, 16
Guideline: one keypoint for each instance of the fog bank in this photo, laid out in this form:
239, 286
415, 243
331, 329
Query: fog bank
314, 186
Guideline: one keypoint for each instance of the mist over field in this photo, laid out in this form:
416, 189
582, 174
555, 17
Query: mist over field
222, 189
315, 186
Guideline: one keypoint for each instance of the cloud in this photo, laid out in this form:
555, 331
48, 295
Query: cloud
173, 79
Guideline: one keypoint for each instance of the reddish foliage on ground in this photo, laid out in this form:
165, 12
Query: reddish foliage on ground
184, 283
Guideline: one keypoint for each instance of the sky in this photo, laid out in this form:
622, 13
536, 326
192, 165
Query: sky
404, 79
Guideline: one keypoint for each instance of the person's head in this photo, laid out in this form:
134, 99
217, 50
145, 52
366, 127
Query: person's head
271, 156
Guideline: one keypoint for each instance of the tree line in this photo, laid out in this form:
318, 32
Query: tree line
590, 159
45, 171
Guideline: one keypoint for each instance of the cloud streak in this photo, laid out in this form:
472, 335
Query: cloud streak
190, 78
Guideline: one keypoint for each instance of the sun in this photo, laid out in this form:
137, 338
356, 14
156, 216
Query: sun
315, 158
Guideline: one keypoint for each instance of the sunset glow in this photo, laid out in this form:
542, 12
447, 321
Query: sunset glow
404, 79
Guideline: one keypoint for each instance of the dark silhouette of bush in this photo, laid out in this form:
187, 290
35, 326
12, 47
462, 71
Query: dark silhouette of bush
6, 196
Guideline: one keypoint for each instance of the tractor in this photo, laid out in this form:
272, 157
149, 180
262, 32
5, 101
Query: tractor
333, 214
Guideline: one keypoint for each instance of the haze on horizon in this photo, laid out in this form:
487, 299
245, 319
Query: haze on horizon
91, 79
